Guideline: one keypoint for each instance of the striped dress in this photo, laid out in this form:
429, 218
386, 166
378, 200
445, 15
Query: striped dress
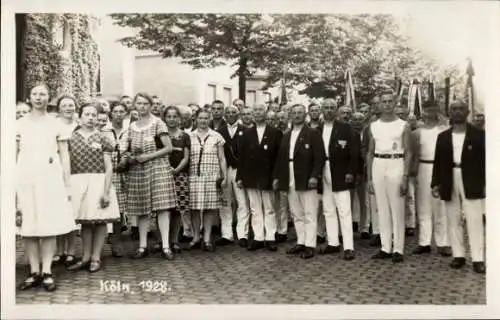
151, 185
204, 171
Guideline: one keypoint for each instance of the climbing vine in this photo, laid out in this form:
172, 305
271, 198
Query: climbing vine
70, 68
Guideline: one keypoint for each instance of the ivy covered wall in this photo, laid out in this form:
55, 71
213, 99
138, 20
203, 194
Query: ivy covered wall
59, 49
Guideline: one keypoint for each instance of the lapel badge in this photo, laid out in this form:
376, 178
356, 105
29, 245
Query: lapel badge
307, 146
241, 133
265, 147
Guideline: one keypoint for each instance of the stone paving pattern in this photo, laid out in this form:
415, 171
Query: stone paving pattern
233, 275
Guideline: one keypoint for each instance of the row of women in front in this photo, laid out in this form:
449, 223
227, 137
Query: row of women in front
69, 174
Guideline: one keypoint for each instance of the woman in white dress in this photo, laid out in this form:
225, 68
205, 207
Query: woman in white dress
42, 181
92, 193
66, 244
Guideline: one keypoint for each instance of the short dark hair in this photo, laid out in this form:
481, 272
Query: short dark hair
167, 109
67, 96
125, 96
145, 96
85, 105
218, 102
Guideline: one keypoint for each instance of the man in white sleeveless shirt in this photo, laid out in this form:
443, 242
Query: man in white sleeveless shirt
431, 211
388, 160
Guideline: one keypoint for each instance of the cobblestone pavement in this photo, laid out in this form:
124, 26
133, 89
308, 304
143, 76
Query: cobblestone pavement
232, 275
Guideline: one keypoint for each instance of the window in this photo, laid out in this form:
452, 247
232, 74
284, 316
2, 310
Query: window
251, 98
228, 96
211, 94
267, 97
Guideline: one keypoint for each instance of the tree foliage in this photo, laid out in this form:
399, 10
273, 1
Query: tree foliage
309, 50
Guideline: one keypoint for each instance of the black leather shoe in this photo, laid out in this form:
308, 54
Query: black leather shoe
243, 242
457, 263
271, 246
79, 265
208, 247
444, 251
422, 249
48, 283
117, 252
308, 253
329, 249
382, 255
194, 245
140, 253
320, 240
375, 241
176, 248
185, 239
34, 280
280, 238
348, 255
298, 248
256, 245
479, 267
365, 235
223, 242
410, 232
397, 257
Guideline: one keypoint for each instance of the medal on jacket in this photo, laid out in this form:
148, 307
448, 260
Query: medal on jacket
265, 147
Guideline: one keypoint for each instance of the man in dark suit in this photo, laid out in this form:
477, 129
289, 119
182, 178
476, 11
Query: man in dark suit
232, 132
459, 178
338, 176
218, 121
358, 194
299, 170
258, 151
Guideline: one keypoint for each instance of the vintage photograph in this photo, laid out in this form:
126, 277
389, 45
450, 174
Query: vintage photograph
248, 158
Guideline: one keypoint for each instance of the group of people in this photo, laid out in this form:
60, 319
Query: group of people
102, 166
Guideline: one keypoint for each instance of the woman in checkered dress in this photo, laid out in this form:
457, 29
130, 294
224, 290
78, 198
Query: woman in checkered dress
116, 133
151, 187
207, 178
179, 159
92, 193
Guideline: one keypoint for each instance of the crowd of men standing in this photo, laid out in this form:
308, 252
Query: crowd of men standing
336, 171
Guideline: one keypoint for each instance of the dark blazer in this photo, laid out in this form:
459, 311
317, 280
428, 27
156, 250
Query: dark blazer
309, 159
231, 144
343, 152
472, 164
257, 160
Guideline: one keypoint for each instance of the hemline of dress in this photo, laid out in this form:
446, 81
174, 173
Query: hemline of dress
97, 221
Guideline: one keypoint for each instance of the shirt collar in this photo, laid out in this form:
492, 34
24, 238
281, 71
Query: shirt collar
233, 126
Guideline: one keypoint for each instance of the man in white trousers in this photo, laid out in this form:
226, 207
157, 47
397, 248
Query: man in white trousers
459, 179
232, 132
341, 166
298, 170
388, 159
258, 150
431, 211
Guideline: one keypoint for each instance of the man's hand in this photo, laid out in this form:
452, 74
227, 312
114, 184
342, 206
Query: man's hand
349, 178
435, 192
369, 185
403, 188
239, 184
312, 183
275, 184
